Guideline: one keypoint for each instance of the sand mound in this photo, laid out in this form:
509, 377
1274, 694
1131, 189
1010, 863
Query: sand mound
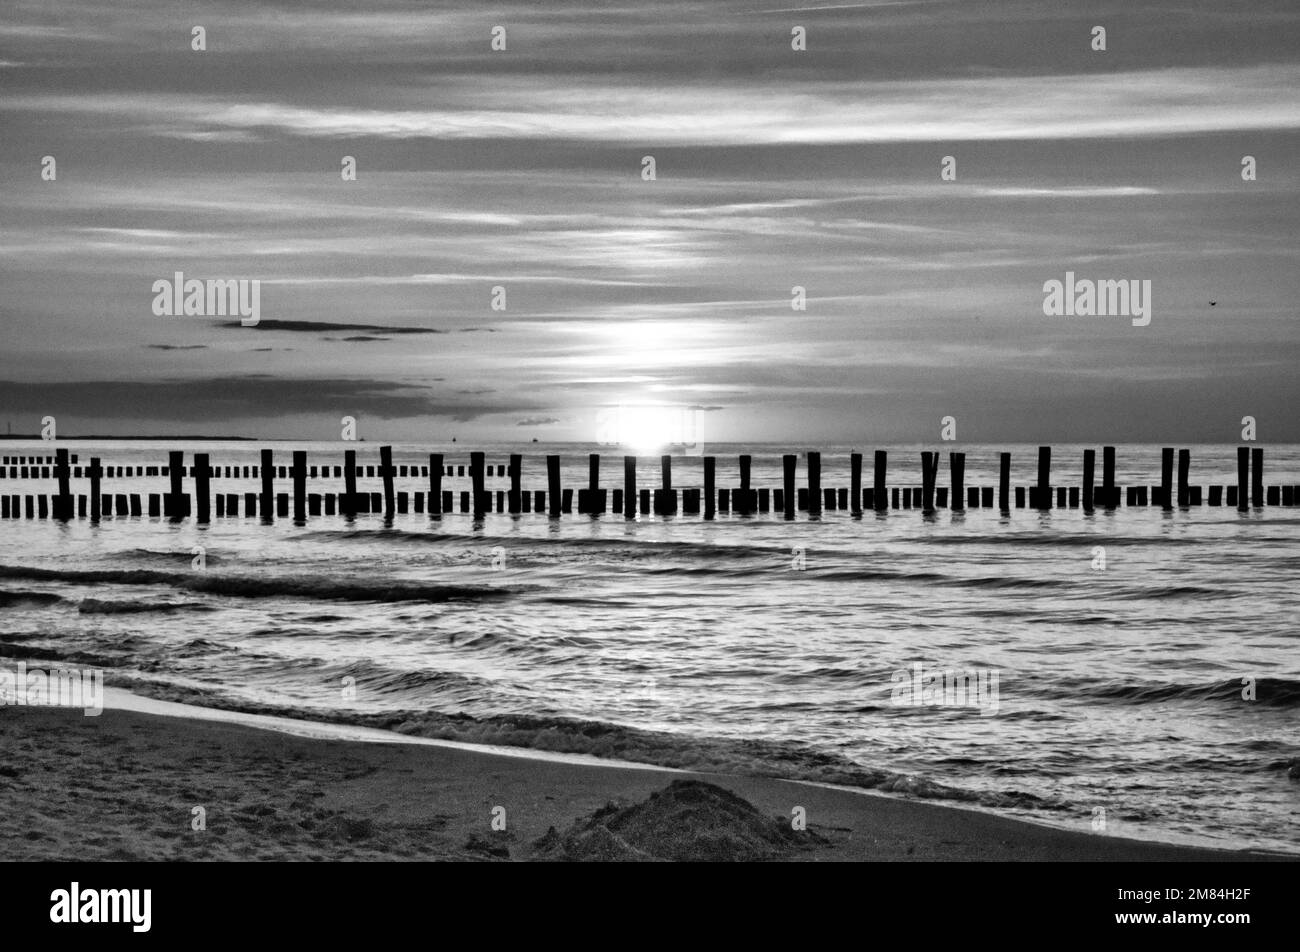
688, 821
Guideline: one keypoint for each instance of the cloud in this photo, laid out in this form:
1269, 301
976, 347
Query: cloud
315, 326
214, 399
1152, 102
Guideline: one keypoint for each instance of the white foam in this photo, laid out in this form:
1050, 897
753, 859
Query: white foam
120, 700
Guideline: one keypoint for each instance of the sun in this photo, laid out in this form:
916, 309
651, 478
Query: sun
648, 429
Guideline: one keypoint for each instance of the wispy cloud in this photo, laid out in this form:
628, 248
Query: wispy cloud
1146, 103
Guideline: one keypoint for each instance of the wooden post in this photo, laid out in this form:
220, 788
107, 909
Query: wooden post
1243, 476
1089, 464
593, 484
1108, 477
349, 506
744, 508
516, 474
62, 471
299, 471
957, 466
267, 502
435, 484
929, 466
386, 471
554, 493
880, 496
788, 463
665, 501
202, 501
629, 487
1167, 478
710, 485
855, 483
95, 472
814, 482
1257, 476
478, 484
1184, 470
176, 473
1004, 482
1044, 477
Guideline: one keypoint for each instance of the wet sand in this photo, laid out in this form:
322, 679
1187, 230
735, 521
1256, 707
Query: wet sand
125, 786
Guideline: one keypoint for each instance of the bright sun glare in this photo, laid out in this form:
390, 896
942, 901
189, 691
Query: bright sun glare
648, 429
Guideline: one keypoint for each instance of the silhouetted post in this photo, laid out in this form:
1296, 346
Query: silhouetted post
95, 472
629, 487
1184, 470
555, 495
516, 473
929, 466
1167, 478
1257, 476
855, 483
1004, 482
267, 502
879, 495
744, 508
1243, 476
710, 484
593, 484
299, 471
386, 471
176, 473
62, 471
788, 463
1044, 477
1089, 464
435, 484
667, 501
478, 476
957, 465
202, 501
814, 482
349, 483
1108, 477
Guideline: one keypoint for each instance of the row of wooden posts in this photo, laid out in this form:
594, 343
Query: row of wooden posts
745, 499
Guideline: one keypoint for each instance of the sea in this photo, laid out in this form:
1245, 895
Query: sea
1129, 673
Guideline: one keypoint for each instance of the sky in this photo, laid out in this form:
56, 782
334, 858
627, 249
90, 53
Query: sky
639, 300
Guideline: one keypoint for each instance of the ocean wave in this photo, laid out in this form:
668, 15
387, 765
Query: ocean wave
41, 656
96, 606
275, 587
1269, 692
620, 742
1175, 591
10, 597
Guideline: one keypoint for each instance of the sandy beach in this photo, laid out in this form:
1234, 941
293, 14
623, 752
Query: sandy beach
129, 785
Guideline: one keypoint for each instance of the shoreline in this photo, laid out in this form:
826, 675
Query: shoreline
130, 784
